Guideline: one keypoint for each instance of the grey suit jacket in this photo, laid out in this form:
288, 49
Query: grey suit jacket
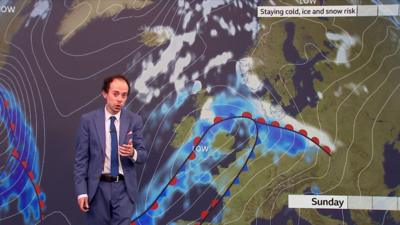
90, 151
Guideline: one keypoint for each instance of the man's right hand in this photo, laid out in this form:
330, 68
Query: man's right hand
83, 204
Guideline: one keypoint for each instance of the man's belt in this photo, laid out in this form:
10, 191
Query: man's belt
109, 178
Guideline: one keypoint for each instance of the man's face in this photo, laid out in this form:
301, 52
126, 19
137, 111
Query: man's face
116, 96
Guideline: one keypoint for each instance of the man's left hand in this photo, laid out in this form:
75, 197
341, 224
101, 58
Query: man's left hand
127, 149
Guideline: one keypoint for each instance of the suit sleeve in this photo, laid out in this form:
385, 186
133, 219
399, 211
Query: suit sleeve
138, 142
81, 157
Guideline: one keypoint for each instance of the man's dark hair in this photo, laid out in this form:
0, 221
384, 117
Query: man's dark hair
107, 81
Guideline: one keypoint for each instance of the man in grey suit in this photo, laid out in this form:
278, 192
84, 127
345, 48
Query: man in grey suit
109, 144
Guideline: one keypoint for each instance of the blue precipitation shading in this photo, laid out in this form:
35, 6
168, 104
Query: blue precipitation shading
315, 189
169, 106
180, 98
198, 172
270, 139
196, 87
280, 141
273, 139
226, 104
15, 183
193, 173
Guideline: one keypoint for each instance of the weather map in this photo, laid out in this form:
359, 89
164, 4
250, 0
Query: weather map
251, 108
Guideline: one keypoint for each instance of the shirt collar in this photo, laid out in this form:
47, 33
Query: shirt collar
117, 116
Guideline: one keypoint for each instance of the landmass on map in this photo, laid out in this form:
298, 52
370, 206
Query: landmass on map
351, 65
82, 12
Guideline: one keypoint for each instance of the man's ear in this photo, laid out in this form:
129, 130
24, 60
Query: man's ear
104, 94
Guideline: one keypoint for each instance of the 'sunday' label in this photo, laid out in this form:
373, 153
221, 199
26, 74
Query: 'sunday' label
318, 201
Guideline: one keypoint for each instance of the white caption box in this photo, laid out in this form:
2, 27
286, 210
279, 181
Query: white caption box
367, 10
388, 10
344, 202
359, 202
384, 203
318, 201
307, 11
329, 11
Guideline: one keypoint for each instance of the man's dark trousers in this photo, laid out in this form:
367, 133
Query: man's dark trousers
110, 195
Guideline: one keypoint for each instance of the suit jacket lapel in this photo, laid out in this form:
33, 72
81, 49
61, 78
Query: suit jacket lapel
123, 127
101, 128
